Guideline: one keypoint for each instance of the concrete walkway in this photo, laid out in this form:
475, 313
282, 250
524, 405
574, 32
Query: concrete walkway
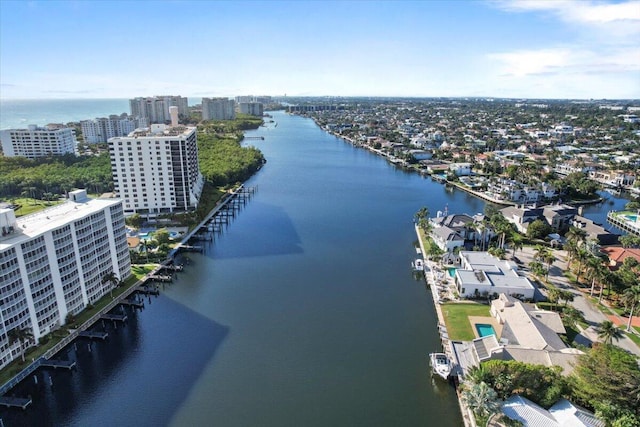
592, 314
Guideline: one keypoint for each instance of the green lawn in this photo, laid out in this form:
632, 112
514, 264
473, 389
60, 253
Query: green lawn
456, 318
635, 338
29, 206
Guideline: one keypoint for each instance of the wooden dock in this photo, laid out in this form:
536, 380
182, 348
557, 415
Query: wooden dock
161, 278
56, 363
15, 402
114, 317
132, 303
93, 335
147, 290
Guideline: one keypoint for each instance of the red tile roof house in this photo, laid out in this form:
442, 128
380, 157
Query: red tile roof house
617, 255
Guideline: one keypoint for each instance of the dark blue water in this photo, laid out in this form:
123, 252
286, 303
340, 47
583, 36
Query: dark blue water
304, 312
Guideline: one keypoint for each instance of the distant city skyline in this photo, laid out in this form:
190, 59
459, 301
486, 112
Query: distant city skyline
494, 48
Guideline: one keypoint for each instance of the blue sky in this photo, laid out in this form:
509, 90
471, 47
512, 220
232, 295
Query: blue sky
530, 49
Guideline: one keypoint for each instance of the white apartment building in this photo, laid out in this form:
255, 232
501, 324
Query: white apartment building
218, 109
252, 108
102, 128
38, 142
156, 171
156, 108
52, 263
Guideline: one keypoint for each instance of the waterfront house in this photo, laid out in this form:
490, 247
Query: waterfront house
559, 217
527, 326
617, 255
460, 169
595, 231
446, 238
521, 216
482, 274
461, 223
563, 413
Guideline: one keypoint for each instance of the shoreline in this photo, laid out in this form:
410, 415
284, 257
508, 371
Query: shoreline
403, 163
467, 418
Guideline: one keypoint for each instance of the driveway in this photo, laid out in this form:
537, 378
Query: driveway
592, 314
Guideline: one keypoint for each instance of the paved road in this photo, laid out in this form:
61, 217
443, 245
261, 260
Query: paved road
592, 314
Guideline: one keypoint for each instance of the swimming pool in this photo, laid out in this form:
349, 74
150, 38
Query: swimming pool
452, 271
485, 330
631, 217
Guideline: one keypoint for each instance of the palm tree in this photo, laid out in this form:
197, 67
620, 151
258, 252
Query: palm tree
566, 296
608, 332
22, 335
631, 299
571, 316
517, 242
595, 271
113, 278
577, 235
582, 255
422, 213
553, 295
481, 399
422, 219
549, 257
540, 252
478, 374
482, 228
608, 278
537, 268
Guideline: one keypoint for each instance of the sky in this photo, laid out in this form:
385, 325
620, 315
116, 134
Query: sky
486, 48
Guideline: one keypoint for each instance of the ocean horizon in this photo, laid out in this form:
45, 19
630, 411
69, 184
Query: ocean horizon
20, 113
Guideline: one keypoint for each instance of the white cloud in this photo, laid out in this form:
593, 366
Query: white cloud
577, 11
566, 60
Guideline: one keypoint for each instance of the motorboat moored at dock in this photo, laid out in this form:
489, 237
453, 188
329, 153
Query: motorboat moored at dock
440, 364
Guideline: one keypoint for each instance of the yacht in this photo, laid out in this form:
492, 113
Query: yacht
440, 364
418, 264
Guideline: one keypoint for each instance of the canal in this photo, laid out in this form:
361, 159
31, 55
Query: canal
303, 312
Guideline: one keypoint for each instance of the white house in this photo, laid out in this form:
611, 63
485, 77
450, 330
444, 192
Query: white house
460, 169
446, 238
483, 274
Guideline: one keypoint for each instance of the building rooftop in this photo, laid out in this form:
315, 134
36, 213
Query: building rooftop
484, 268
160, 130
33, 225
526, 327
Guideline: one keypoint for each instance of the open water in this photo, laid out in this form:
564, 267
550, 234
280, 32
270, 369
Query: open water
20, 113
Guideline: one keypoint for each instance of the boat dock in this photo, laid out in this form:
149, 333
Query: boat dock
160, 278
213, 223
93, 335
132, 303
447, 345
15, 402
55, 364
114, 317
147, 290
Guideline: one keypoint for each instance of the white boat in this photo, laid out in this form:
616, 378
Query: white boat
440, 364
418, 264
